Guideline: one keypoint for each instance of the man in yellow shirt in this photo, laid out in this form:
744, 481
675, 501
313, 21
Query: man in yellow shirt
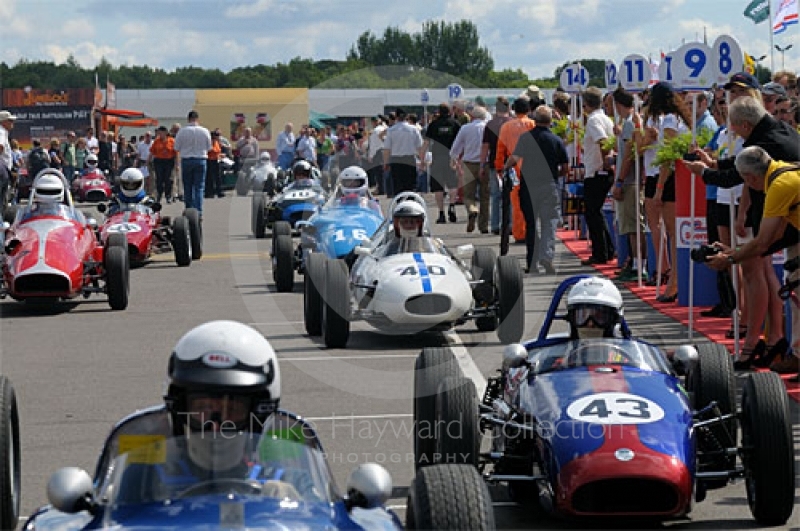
781, 182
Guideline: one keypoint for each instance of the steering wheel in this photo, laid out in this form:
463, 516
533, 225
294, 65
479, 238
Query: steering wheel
243, 486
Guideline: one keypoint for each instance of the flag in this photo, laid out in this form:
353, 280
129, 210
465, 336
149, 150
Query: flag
749, 63
758, 11
111, 95
98, 94
785, 15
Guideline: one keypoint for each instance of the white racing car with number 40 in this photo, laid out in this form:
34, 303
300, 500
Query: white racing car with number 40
405, 281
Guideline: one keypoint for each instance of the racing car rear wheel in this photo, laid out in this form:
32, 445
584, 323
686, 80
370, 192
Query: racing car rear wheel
433, 365
483, 262
259, 216
457, 432
508, 282
336, 305
312, 293
449, 497
713, 379
181, 241
242, 184
195, 232
10, 473
283, 264
767, 449
117, 278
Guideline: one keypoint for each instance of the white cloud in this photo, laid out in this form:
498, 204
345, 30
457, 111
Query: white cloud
250, 9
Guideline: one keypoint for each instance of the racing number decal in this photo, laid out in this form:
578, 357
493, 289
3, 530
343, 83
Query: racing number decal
356, 234
124, 228
615, 408
432, 270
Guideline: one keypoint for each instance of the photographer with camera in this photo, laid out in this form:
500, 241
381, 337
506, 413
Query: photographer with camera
781, 182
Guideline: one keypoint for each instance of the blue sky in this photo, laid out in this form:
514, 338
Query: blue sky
536, 36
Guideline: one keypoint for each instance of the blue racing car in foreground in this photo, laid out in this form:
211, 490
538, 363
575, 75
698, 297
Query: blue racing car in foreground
144, 480
611, 427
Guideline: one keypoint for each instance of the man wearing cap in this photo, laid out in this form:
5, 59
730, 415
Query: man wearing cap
402, 143
770, 92
162, 156
193, 142
466, 150
6, 157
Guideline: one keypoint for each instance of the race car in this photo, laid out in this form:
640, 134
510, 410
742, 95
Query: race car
92, 186
145, 232
350, 217
409, 282
611, 426
298, 201
51, 251
143, 480
10, 472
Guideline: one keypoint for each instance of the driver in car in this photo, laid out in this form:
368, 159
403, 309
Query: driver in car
352, 189
48, 196
408, 220
131, 191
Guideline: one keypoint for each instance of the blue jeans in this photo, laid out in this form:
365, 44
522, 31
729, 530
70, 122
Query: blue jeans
388, 185
285, 160
495, 196
194, 182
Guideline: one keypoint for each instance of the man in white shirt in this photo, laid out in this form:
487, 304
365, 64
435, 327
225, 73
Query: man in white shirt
193, 143
142, 156
598, 178
307, 146
284, 145
92, 143
375, 153
403, 142
466, 150
6, 157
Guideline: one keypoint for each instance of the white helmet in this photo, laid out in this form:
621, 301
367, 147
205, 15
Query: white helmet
48, 188
91, 161
301, 170
131, 183
594, 299
409, 219
223, 379
353, 181
265, 157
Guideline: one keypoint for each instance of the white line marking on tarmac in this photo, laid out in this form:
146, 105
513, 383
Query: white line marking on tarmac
364, 357
466, 362
358, 417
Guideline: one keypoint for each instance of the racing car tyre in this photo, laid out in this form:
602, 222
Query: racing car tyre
483, 262
242, 184
457, 432
312, 293
336, 305
767, 449
9, 214
259, 217
449, 497
181, 241
117, 278
195, 232
433, 365
283, 264
10, 472
508, 282
281, 228
713, 379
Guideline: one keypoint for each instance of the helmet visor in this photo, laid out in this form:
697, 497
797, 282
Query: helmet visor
602, 316
217, 412
352, 183
49, 192
131, 186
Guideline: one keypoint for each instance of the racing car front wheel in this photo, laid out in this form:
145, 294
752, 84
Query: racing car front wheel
10, 472
767, 449
181, 241
117, 278
432, 366
283, 264
482, 266
10, 213
457, 431
312, 293
336, 305
449, 497
195, 232
511, 299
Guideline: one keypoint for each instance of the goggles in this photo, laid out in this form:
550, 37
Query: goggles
217, 412
601, 316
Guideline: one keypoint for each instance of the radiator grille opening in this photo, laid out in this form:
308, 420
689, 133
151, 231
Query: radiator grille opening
428, 304
41, 283
625, 495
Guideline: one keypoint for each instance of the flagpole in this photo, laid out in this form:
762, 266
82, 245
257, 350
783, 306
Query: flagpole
771, 43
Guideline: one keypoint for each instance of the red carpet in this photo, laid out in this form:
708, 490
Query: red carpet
714, 329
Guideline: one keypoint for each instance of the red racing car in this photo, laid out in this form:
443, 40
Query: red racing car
145, 232
92, 186
51, 252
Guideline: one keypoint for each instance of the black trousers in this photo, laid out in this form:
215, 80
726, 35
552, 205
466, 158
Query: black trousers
213, 179
163, 169
595, 190
404, 174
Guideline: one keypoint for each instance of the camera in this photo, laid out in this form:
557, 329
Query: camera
702, 253
691, 157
